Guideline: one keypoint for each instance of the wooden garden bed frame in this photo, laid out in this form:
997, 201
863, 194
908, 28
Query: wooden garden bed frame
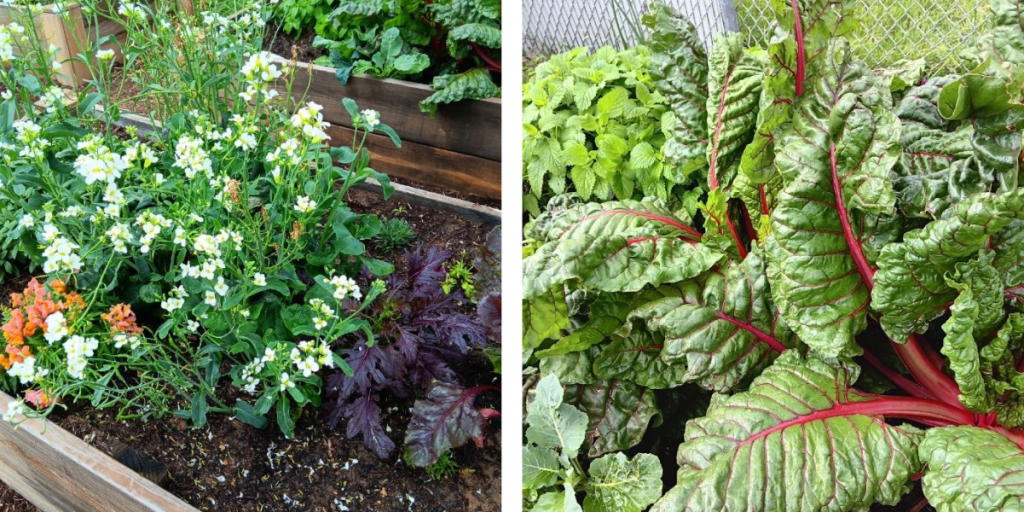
459, 149
59, 472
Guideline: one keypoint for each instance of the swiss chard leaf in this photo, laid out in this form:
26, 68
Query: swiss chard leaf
970, 468
446, 419
799, 440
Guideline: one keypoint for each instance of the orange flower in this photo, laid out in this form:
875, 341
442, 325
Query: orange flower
58, 286
38, 398
17, 355
13, 328
16, 300
72, 305
122, 319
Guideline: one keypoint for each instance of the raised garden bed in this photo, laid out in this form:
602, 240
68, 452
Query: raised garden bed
229, 466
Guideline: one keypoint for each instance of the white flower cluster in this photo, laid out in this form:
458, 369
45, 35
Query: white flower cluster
371, 118
304, 204
79, 349
151, 224
175, 300
289, 148
310, 120
308, 357
119, 235
132, 11
26, 371
52, 99
15, 409
10, 35
190, 156
28, 134
132, 341
259, 72
140, 152
323, 313
98, 162
252, 370
60, 256
345, 287
56, 328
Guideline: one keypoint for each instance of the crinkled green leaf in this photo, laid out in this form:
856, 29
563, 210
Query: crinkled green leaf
544, 316
620, 484
474, 84
636, 358
553, 424
975, 313
679, 68
902, 74
792, 65
910, 286
614, 246
835, 159
734, 86
607, 314
722, 329
799, 440
561, 501
971, 468
619, 413
573, 367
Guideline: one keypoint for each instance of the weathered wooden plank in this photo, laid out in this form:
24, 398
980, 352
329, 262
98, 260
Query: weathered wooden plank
472, 211
470, 127
427, 165
58, 472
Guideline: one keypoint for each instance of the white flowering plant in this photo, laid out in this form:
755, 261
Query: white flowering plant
210, 226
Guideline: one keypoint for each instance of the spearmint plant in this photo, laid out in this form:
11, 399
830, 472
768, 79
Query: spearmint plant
849, 286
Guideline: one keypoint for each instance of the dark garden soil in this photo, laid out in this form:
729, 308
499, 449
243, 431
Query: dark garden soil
229, 466
298, 48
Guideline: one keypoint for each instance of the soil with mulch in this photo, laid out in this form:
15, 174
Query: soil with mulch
229, 466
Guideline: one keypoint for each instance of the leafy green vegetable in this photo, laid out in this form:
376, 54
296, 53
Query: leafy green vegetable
828, 216
552, 476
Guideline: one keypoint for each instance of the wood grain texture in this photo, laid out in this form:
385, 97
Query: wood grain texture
472, 127
428, 165
59, 472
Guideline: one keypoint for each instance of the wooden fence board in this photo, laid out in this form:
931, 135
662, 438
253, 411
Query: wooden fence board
428, 165
59, 472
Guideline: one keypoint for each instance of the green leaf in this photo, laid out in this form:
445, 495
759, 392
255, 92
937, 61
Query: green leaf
607, 314
836, 162
563, 501
247, 414
799, 440
618, 484
971, 468
544, 317
553, 424
910, 285
479, 33
614, 246
474, 84
412, 64
284, 418
618, 413
198, 410
975, 313
723, 328
734, 87
540, 467
679, 68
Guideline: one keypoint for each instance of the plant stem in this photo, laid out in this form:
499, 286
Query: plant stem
926, 372
907, 385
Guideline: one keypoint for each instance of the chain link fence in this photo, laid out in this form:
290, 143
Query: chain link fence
890, 30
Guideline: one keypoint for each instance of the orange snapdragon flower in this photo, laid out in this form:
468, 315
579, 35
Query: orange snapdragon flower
122, 319
38, 398
14, 327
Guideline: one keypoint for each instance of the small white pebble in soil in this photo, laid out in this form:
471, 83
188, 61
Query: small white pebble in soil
341, 506
240, 496
221, 479
245, 474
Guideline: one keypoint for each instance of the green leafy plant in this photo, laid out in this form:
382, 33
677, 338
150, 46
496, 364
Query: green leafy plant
394, 59
593, 122
849, 286
445, 467
297, 15
394, 235
459, 276
552, 475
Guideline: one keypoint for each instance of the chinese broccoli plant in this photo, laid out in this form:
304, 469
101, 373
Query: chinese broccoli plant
849, 284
